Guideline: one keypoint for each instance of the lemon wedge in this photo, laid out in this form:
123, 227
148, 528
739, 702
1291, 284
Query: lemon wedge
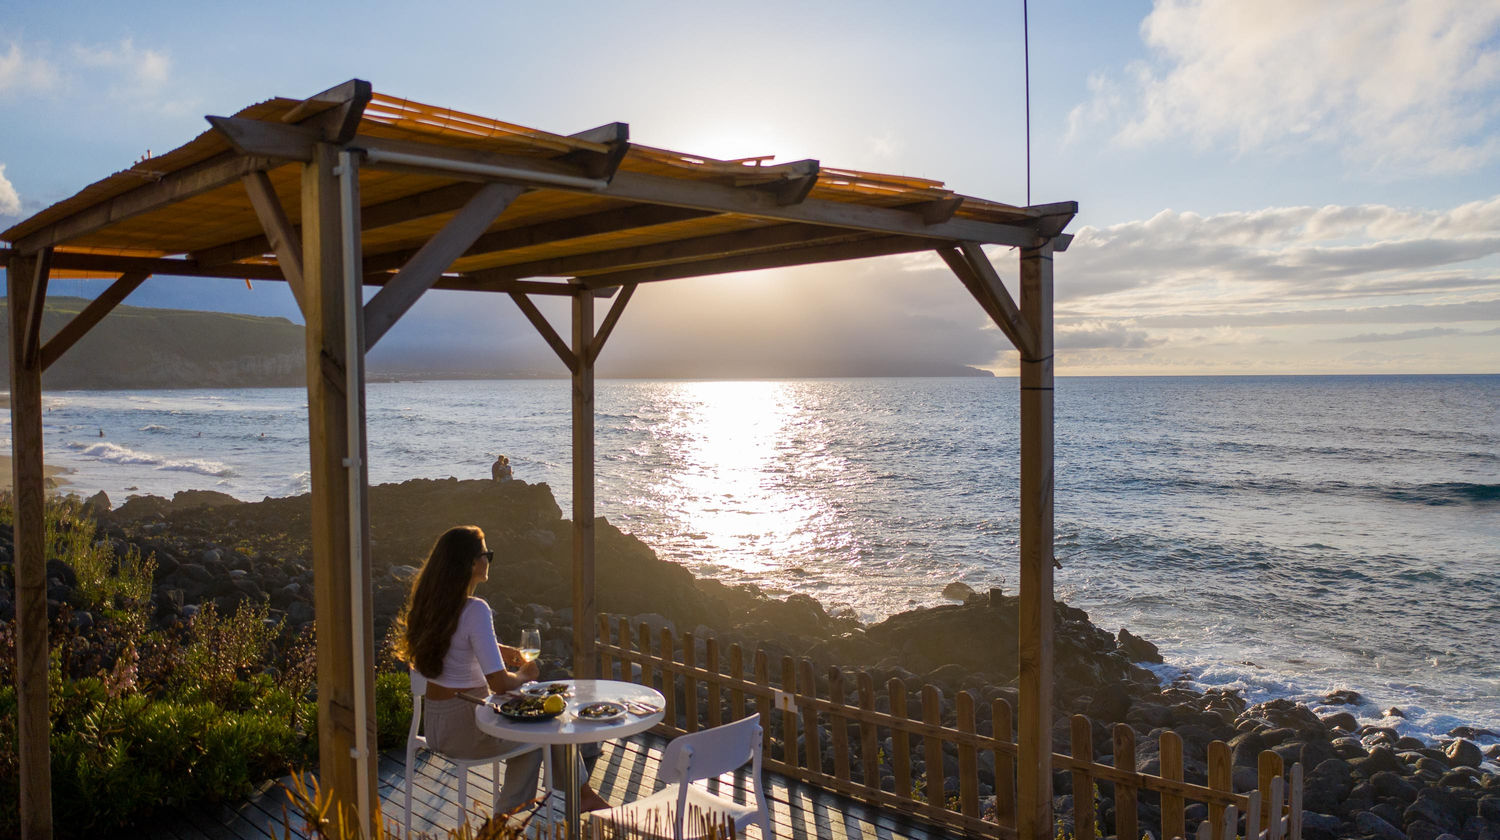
554, 705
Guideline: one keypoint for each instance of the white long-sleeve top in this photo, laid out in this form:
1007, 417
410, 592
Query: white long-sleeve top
473, 652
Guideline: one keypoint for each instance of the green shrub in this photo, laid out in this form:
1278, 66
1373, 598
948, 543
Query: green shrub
392, 709
224, 648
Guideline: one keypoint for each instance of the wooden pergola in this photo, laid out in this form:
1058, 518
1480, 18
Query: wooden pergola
349, 188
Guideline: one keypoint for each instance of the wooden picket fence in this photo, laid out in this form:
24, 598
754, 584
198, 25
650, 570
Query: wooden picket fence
705, 686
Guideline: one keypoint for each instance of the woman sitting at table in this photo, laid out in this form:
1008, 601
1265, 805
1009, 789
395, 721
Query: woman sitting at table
449, 636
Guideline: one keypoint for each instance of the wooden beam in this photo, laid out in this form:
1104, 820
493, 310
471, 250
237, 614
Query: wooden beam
560, 230
174, 186
938, 210
33, 723
268, 139
661, 253
169, 266
550, 335
331, 116
419, 274
615, 311
601, 164
793, 180
91, 315
821, 253
283, 238
336, 112
584, 613
1034, 632
329, 445
36, 304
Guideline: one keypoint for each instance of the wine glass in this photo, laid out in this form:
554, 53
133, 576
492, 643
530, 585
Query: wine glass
531, 644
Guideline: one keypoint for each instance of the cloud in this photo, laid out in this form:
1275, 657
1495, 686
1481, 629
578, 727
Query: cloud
1392, 84
10, 201
1181, 261
1430, 332
131, 76
22, 73
1094, 335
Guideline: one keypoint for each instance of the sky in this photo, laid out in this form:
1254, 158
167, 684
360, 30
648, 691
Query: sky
1269, 187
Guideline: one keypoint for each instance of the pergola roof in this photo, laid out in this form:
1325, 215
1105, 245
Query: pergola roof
595, 207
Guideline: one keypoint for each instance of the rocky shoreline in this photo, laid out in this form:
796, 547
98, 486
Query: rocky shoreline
1362, 781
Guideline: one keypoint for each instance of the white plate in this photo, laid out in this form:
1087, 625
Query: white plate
617, 713
542, 689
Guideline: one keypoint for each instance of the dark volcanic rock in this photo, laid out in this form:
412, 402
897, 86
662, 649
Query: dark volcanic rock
1463, 753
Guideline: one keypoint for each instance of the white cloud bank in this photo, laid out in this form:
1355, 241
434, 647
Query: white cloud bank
1282, 287
10, 201
1392, 84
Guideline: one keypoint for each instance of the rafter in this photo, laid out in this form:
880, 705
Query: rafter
684, 250
544, 233
882, 246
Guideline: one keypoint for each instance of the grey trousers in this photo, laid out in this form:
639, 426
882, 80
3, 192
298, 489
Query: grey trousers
450, 729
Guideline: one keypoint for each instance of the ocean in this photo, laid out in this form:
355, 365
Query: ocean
1287, 536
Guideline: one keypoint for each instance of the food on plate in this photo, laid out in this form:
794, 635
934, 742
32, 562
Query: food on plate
601, 711
528, 708
554, 704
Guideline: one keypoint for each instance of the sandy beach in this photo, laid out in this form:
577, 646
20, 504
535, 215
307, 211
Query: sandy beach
53, 475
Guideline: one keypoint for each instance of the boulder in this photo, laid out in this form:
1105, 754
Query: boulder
1137, 649
958, 591
1463, 753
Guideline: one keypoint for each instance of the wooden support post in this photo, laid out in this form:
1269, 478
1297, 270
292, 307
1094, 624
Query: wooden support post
32, 721
583, 484
328, 406
1035, 631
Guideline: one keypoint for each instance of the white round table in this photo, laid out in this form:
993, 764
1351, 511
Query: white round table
568, 730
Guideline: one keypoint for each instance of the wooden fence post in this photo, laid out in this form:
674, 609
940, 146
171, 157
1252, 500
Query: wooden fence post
1173, 819
1220, 778
838, 724
932, 748
1083, 780
711, 653
1125, 794
968, 759
1005, 763
690, 682
811, 737
900, 744
869, 742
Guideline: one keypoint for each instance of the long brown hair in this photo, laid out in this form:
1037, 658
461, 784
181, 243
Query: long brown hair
437, 598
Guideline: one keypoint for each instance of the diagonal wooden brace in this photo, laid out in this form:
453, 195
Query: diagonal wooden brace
283, 238
36, 304
974, 270
423, 270
91, 315
616, 309
550, 335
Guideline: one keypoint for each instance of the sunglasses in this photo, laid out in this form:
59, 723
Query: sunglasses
489, 556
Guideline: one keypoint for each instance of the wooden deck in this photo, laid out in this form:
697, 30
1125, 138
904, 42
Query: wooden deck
626, 770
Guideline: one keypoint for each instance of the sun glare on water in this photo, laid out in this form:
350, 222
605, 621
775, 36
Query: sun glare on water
730, 491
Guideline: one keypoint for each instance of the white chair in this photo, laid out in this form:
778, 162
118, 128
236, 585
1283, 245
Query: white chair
694, 757
415, 741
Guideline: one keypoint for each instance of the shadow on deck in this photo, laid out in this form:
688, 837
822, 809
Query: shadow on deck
626, 770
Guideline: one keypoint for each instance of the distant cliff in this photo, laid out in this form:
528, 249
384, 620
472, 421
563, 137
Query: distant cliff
137, 347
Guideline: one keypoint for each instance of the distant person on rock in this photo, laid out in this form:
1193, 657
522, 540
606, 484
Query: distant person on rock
500, 470
448, 636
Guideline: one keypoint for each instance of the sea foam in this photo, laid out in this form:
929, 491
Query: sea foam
115, 454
